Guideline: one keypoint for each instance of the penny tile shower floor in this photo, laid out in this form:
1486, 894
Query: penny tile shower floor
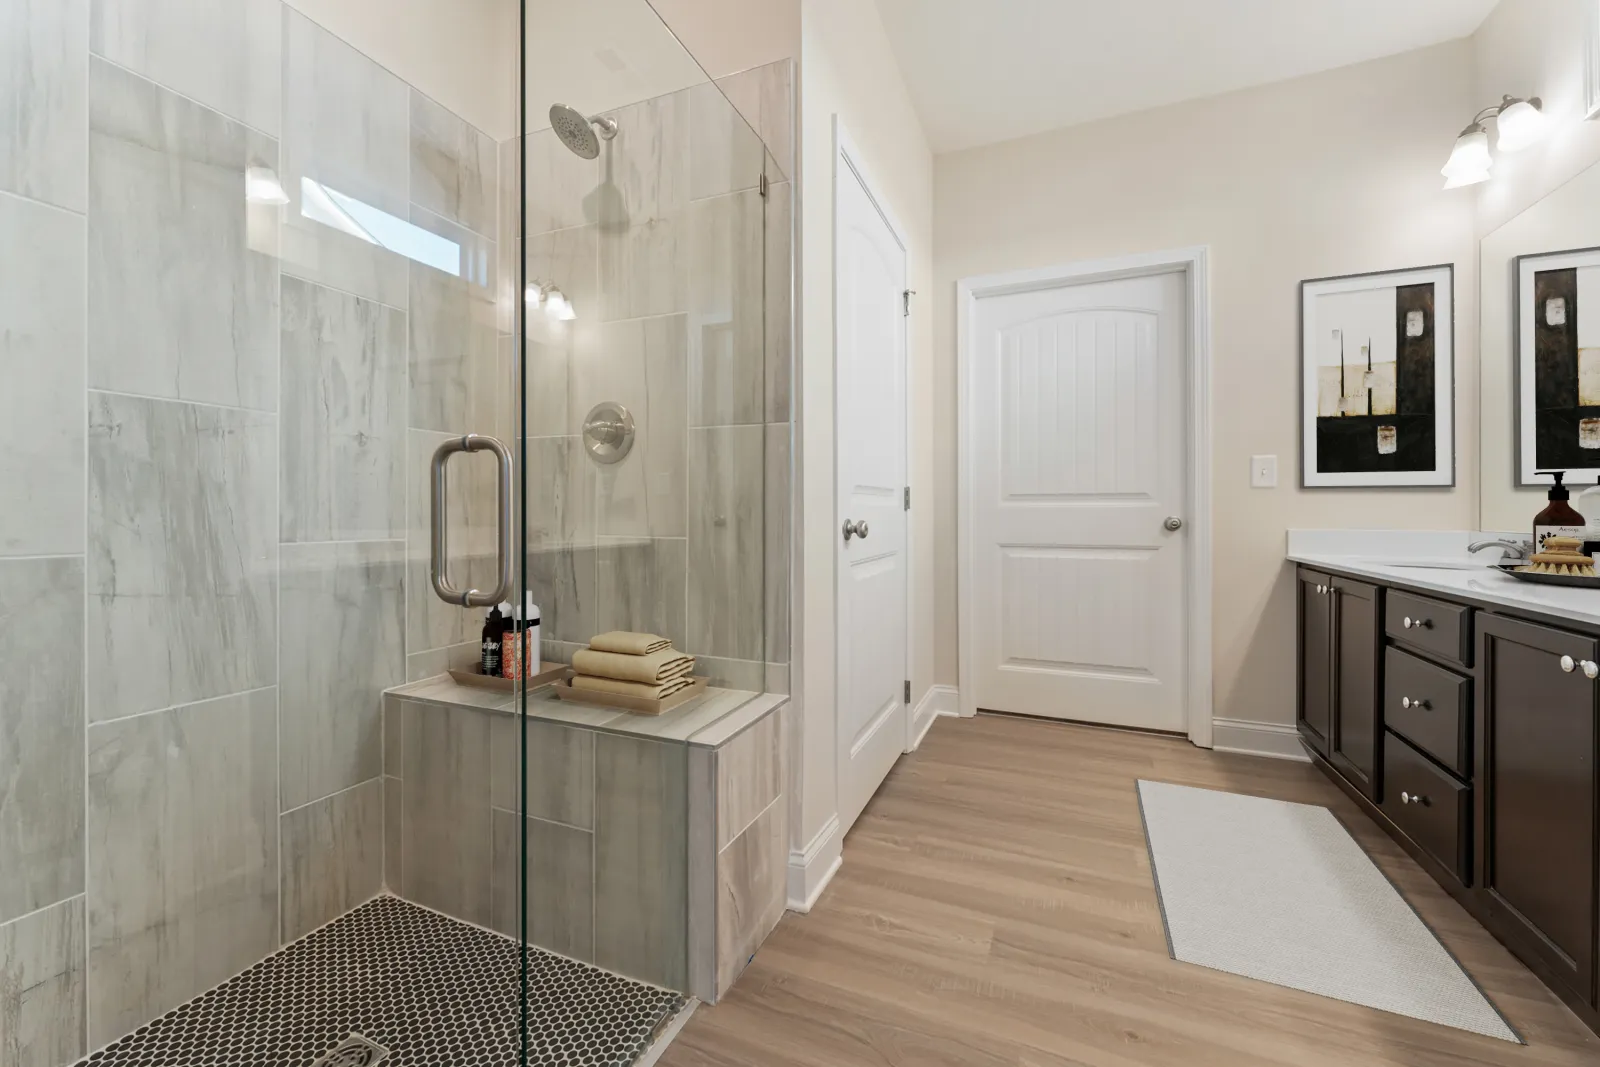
427, 989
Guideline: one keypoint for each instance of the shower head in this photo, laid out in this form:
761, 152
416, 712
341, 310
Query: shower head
578, 132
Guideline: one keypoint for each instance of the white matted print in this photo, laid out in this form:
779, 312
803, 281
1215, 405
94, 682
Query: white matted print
1377, 355
1558, 366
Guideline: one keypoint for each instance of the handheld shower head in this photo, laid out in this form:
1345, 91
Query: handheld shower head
578, 132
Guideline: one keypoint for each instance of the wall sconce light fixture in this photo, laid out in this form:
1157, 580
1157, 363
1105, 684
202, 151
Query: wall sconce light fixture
554, 302
1518, 124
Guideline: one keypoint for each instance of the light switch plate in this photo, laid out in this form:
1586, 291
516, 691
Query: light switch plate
1263, 472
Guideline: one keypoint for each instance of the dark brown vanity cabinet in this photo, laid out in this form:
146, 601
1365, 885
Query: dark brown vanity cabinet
1341, 639
1538, 794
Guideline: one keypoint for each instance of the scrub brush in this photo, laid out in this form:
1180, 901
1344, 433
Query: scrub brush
1562, 555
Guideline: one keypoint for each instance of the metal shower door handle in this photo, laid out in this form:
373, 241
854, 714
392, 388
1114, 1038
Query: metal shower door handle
439, 564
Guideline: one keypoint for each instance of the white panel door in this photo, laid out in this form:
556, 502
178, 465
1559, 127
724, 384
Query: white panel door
1077, 415
870, 405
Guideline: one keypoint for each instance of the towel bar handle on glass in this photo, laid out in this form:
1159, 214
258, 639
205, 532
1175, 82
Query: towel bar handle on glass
439, 565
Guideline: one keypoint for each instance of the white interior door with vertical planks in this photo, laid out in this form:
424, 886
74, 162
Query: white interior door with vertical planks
870, 464
1077, 431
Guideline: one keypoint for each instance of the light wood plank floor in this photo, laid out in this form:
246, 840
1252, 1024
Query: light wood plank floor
995, 909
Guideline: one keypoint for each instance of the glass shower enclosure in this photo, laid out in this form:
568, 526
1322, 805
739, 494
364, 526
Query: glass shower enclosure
316, 337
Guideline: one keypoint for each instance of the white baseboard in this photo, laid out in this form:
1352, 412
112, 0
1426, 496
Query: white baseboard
1270, 739
938, 700
813, 867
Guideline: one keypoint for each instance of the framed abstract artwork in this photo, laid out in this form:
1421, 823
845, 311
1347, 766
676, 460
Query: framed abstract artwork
1377, 375
1558, 365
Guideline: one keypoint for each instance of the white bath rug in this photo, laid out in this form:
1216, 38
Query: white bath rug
1281, 892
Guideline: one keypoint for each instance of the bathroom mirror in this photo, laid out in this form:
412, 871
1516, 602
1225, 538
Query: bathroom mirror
1567, 219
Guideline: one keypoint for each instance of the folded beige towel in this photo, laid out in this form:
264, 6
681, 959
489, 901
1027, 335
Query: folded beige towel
629, 643
653, 669
632, 689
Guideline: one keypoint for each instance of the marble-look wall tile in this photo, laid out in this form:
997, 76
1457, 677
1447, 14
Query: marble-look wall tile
641, 859
643, 235
44, 131
643, 268
393, 733
561, 581
570, 261
183, 855
453, 332
225, 54
420, 665
41, 733
469, 506
182, 304
778, 545
332, 854
454, 166
727, 315
764, 95
751, 874
561, 487
749, 776
640, 585
42, 988
748, 675
346, 126
41, 364
724, 152
561, 184
642, 365
393, 834
726, 541
344, 416
342, 646
445, 820
559, 884
560, 762
548, 387
702, 939
183, 553
779, 341
649, 158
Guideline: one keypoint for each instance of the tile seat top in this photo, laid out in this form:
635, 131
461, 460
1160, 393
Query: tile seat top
706, 721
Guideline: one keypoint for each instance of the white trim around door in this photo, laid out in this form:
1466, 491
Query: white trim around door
1192, 263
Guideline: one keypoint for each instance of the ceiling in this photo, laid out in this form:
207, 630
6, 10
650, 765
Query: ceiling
985, 72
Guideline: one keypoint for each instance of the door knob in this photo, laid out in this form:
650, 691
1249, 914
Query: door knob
1173, 523
857, 528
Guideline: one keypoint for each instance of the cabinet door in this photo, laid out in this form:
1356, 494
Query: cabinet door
1355, 745
1534, 755
1315, 711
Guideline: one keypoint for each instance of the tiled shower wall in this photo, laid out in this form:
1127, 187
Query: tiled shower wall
215, 419
680, 272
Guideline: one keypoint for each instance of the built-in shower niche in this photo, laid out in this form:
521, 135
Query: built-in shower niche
657, 846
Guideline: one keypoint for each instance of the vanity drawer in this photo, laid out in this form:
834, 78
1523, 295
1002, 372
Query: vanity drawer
1431, 625
1429, 806
1429, 706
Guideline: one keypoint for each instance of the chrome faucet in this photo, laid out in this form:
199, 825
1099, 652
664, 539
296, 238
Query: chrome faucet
1513, 549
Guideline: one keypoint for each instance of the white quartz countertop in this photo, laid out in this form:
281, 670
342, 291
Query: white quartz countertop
1438, 562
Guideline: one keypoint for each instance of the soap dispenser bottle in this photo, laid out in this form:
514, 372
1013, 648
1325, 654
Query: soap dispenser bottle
1558, 519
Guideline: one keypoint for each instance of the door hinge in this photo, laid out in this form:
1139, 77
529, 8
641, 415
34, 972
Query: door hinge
906, 295
908, 691
908, 498
764, 186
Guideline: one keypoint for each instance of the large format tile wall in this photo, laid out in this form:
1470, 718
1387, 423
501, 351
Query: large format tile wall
680, 272
214, 428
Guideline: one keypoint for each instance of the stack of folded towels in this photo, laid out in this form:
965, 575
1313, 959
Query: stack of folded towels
632, 664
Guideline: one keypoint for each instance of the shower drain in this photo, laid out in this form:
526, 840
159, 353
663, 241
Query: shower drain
354, 1051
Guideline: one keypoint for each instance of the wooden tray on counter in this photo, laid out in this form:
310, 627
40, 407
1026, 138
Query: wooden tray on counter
548, 672
637, 705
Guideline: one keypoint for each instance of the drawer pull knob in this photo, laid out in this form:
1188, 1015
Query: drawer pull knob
1591, 669
1567, 664
1419, 703
1418, 624
1412, 798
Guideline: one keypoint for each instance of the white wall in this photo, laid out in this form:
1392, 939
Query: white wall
462, 53
726, 36
1335, 173
848, 69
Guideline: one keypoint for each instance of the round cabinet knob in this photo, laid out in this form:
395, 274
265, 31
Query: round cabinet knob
1591, 669
1416, 624
1567, 664
1419, 703
1173, 523
1405, 798
1406, 622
